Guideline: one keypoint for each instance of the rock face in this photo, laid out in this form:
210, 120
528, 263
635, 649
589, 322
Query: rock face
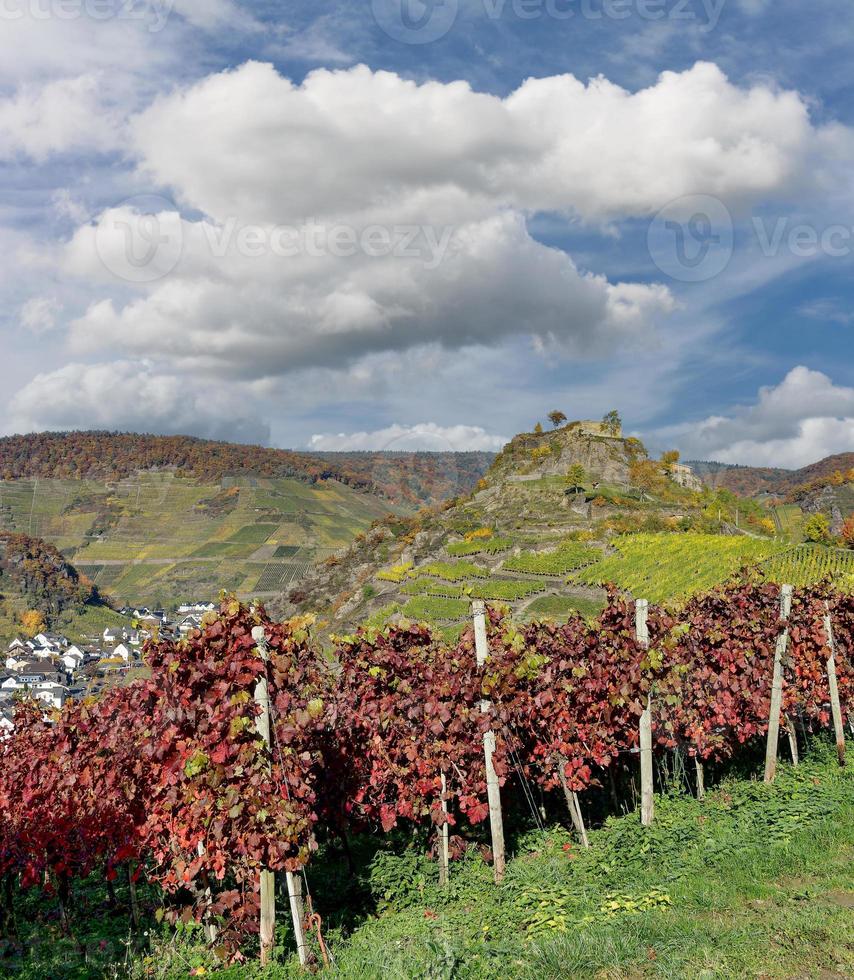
835, 501
532, 455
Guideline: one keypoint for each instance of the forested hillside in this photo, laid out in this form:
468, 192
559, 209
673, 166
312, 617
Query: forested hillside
410, 478
752, 480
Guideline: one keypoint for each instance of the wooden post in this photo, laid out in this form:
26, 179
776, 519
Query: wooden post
777, 687
793, 739
493, 788
297, 915
701, 778
572, 805
835, 707
268, 879
132, 897
647, 798
210, 928
444, 838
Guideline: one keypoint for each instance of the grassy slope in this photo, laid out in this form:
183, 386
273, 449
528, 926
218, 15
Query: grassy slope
156, 518
756, 881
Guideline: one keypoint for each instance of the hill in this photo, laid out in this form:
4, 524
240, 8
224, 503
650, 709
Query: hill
544, 531
37, 582
750, 481
406, 478
157, 519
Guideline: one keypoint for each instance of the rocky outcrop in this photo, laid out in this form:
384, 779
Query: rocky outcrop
532, 455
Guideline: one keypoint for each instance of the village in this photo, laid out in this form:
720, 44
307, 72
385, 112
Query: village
50, 668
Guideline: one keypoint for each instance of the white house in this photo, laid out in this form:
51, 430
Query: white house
199, 608
7, 726
50, 692
72, 658
122, 651
188, 624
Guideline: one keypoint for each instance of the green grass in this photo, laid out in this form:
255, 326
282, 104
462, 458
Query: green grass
561, 607
568, 556
756, 881
661, 567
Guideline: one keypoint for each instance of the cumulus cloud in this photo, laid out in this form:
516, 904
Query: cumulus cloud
130, 395
438, 185
38, 315
554, 144
425, 436
799, 421
260, 316
60, 116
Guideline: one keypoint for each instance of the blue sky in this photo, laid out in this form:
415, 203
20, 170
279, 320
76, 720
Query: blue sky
216, 222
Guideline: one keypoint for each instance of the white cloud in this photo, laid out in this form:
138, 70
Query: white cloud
425, 436
268, 315
64, 115
250, 148
135, 396
38, 315
555, 143
799, 421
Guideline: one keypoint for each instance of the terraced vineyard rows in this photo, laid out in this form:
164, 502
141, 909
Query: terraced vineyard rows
566, 558
142, 538
807, 564
663, 567
480, 546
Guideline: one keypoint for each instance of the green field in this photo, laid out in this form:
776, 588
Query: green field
662, 567
159, 538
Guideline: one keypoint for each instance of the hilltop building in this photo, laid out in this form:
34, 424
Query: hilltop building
590, 427
685, 477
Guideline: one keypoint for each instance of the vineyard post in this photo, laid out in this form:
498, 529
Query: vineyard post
793, 740
647, 799
835, 706
573, 805
701, 778
268, 878
777, 686
443, 837
210, 928
493, 789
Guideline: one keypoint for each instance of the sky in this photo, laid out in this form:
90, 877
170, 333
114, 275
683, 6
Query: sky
424, 224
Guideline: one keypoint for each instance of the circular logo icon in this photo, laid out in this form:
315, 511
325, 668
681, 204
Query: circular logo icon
141, 239
415, 21
691, 238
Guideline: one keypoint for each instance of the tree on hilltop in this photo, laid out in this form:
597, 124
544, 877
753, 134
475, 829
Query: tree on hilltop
669, 458
612, 422
557, 417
